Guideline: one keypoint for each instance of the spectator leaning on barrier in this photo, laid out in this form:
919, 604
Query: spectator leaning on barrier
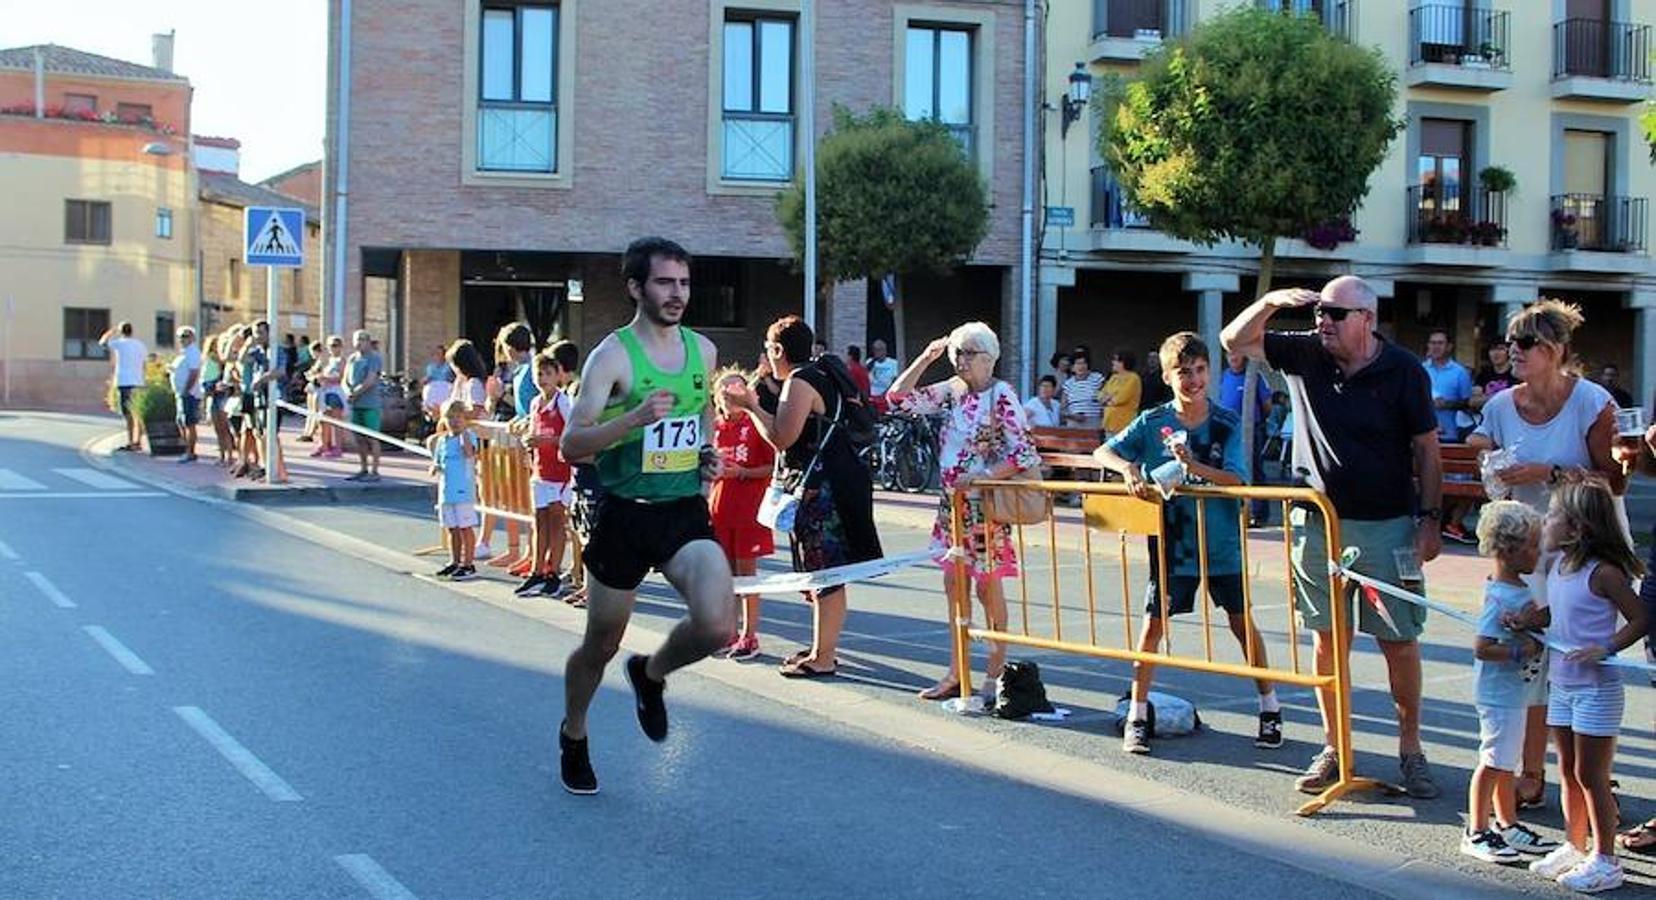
1363, 429
1210, 451
185, 374
362, 392
552, 485
983, 437
128, 376
453, 460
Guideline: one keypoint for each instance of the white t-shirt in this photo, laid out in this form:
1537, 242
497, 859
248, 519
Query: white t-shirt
881, 373
187, 360
129, 360
1042, 414
1562, 441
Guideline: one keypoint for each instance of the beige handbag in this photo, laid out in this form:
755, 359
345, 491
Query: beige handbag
1018, 506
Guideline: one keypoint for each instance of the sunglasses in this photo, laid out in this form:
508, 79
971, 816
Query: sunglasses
1524, 342
1335, 313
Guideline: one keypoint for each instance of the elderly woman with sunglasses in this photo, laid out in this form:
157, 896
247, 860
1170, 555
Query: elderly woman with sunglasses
1558, 425
984, 437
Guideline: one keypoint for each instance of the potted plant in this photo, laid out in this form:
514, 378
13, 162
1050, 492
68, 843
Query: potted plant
1564, 230
1498, 180
1488, 234
1494, 54
155, 407
1330, 235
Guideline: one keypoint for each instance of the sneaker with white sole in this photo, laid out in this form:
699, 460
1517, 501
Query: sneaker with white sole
1519, 837
1270, 731
1321, 774
1595, 873
1135, 738
1488, 847
1556, 863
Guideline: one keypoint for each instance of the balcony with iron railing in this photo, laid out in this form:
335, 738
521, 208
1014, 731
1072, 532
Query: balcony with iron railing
1340, 16
1125, 30
758, 146
1598, 60
1116, 226
1459, 47
1455, 226
1597, 232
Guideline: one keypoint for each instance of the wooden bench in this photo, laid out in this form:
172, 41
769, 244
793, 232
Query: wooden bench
1068, 448
1461, 476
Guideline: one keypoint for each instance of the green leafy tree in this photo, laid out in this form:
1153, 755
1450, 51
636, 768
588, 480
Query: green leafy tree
894, 196
1254, 126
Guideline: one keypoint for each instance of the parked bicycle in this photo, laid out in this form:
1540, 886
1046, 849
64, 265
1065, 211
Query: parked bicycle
903, 456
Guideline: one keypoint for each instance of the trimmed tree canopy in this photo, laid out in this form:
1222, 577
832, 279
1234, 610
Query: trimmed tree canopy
1256, 125
893, 195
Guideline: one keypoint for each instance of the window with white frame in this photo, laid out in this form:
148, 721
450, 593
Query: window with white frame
937, 81
164, 223
758, 122
517, 116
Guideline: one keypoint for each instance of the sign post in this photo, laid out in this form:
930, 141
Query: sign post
273, 237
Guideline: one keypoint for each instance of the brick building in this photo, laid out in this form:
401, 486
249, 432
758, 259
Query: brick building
502, 154
300, 182
231, 292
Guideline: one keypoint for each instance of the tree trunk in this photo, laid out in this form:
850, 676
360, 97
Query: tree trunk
898, 332
1250, 381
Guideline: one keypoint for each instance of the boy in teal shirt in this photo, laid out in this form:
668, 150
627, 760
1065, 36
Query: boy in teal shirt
1210, 451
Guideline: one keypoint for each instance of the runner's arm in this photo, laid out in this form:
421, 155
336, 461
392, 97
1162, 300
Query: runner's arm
584, 436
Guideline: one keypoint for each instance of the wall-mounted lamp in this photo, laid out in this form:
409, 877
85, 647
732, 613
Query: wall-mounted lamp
1075, 102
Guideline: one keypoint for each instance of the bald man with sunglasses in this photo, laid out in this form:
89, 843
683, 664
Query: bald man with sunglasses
1364, 429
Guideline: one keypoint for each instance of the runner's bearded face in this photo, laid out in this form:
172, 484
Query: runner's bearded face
664, 297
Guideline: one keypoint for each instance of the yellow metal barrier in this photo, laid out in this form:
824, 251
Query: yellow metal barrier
504, 470
1109, 509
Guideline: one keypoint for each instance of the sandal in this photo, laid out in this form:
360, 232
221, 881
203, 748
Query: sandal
801, 670
1641, 839
942, 690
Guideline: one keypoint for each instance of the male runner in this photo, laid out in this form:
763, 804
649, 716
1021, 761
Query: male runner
643, 412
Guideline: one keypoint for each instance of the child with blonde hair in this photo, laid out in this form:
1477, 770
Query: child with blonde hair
1509, 676
453, 461
1589, 588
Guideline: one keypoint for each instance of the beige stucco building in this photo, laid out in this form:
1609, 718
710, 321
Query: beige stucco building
1549, 89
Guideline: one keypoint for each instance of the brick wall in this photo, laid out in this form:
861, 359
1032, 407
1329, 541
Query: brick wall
221, 241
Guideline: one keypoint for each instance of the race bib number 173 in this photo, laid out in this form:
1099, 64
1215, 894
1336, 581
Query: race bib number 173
672, 445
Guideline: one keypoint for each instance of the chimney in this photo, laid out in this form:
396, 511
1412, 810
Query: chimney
161, 48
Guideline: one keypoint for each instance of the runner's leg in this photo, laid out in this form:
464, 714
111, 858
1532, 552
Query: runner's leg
608, 611
701, 575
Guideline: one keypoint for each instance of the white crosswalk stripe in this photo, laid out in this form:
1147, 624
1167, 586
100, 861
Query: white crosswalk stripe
97, 479
15, 481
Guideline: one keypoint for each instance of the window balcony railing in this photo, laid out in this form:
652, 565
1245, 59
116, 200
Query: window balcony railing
1340, 16
758, 147
1600, 223
517, 138
1598, 49
1459, 36
1109, 207
1138, 19
1473, 216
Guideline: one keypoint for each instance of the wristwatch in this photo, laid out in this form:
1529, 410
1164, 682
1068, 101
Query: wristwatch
1556, 473
1432, 513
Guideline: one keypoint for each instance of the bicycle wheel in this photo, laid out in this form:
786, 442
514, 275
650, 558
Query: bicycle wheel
914, 464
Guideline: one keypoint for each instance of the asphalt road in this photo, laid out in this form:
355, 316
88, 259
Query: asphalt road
205, 701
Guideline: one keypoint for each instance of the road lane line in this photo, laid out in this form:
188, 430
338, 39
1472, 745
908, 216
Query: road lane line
6, 552
13, 481
242, 758
82, 495
115, 648
373, 877
96, 479
50, 590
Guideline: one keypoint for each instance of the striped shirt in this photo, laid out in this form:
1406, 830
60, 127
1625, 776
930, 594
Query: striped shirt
1079, 396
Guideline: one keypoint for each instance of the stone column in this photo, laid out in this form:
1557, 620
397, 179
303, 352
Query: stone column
1050, 279
430, 285
1509, 298
1210, 289
1643, 304
847, 318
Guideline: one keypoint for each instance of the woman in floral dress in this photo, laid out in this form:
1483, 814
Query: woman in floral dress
984, 437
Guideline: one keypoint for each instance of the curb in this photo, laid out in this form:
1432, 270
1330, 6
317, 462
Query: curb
1289, 841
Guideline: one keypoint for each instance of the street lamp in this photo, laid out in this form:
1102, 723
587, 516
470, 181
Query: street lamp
1080, 89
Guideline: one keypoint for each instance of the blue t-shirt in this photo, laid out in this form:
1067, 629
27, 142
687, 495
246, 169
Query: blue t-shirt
523, 388
1450, 381
1230, 393
457, 479
1217, 442
1505, 683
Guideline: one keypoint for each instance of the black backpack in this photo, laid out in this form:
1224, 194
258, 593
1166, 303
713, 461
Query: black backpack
855, 415
1020, 692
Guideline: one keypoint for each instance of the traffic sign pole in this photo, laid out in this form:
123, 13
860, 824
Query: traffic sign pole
273, 237
273, 414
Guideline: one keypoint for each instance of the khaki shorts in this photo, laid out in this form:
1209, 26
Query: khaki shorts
1375, 540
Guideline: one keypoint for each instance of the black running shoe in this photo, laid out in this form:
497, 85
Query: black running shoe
464, 573
550, 587
575, 765
1270, 731
445, 571
530, 586
652, 712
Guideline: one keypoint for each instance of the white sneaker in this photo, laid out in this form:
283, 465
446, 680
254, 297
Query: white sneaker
1488, 847
1521, 838
1596, 873
1556, 863
482, 551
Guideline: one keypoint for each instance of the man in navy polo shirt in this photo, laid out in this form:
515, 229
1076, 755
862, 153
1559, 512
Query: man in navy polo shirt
1364, 428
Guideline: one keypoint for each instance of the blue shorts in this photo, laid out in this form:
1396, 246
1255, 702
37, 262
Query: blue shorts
189, 409
1594, 710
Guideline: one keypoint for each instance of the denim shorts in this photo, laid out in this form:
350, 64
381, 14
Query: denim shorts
1594, 710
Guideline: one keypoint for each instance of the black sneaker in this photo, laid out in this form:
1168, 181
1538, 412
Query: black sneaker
1135, 738
464, 573
1270, 731
530, 586
551, 587
575, 765
445, 571
652, 712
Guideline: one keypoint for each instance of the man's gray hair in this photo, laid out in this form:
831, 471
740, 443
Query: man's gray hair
975, 336
361, 334
1353, 290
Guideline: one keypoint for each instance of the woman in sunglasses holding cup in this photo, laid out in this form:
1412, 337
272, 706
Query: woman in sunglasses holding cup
1554, 426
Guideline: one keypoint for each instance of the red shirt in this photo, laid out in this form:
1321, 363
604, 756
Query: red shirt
735, 501
549, 419
859, 376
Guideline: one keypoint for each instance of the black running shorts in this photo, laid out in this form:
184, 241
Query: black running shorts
630, 537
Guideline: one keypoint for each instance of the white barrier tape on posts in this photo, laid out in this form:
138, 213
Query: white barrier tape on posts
798, 582
359, 429
1472, 621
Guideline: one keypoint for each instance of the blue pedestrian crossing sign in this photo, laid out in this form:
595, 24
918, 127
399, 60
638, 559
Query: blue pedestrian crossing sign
274, 236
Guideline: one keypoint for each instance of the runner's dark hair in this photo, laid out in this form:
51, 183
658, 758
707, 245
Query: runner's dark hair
642, 254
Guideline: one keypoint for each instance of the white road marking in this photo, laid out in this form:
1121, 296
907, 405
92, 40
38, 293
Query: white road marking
82, 495
115, 648
12, 481
242, 758
6, 552
50, 590
373, 877
96, 479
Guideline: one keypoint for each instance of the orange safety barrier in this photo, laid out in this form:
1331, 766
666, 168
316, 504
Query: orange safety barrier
1110, 512
504, 470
